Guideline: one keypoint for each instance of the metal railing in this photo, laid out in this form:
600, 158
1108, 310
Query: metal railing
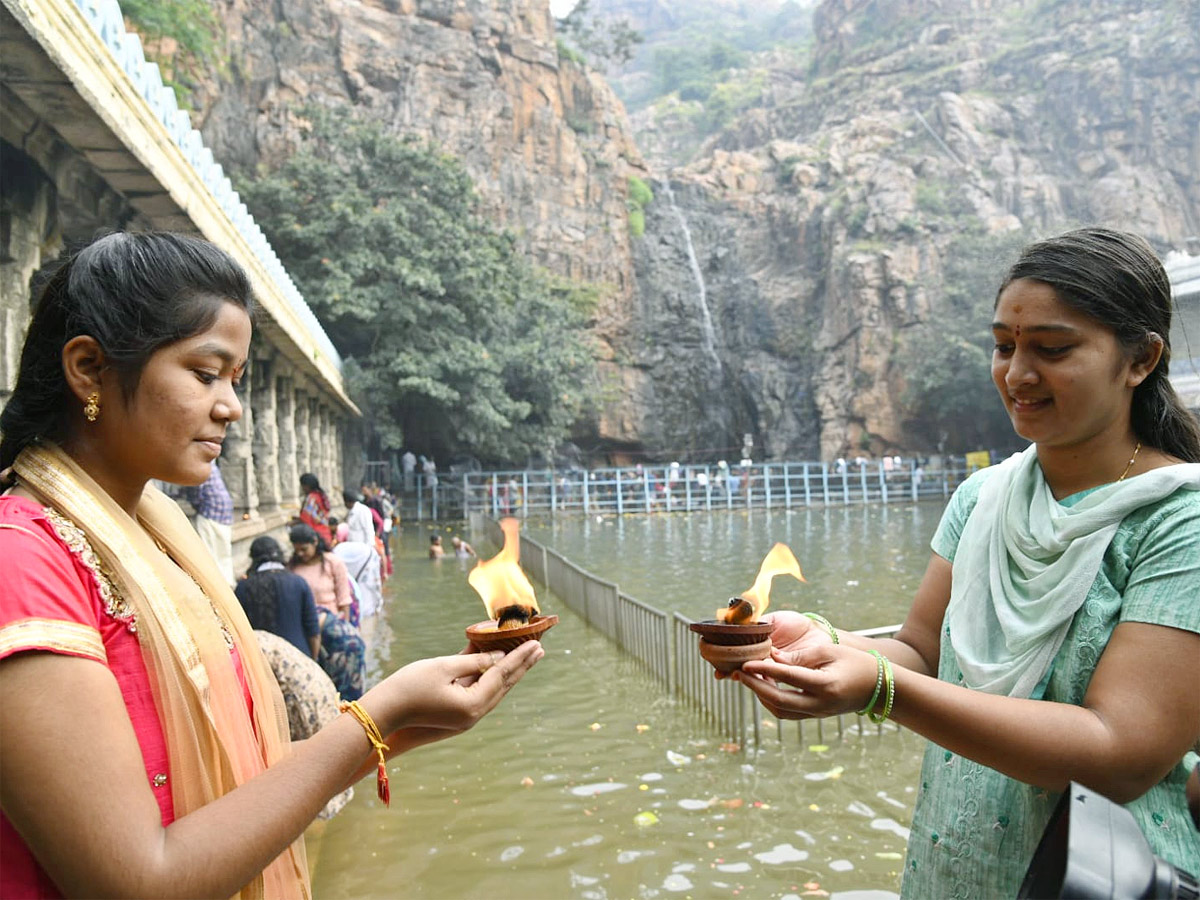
670, 488
664, 646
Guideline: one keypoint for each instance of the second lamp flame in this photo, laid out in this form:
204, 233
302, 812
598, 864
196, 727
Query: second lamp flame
746, 608
506, 592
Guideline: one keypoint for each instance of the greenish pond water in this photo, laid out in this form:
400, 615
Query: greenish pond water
591, 782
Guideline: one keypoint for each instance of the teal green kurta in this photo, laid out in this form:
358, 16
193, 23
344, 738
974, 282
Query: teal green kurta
974, 830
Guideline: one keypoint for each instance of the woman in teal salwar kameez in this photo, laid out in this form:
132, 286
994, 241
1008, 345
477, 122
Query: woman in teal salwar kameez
1056, 634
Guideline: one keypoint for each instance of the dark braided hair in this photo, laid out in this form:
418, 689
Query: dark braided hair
1115, 278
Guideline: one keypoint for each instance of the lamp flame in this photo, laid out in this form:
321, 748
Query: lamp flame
746, 608
506, 592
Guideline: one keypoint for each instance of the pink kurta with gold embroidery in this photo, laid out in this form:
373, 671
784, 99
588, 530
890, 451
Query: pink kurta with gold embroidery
54, 598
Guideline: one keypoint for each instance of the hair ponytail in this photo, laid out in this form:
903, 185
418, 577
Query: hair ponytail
1161, 420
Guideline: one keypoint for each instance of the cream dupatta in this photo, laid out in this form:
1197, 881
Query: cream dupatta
183, 611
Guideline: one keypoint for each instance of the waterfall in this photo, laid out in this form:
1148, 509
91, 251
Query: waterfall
706, 322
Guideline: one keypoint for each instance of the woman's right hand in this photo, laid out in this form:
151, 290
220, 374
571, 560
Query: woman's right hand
451, 693
814, 682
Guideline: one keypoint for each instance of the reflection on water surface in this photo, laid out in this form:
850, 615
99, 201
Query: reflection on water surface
590, 782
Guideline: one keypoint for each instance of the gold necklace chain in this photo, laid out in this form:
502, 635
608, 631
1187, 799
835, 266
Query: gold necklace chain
1129, 465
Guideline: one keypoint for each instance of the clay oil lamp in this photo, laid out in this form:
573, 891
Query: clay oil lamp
736, 635
512, 607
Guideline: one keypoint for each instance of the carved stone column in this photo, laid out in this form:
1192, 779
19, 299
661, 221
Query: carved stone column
303, 433
237, 463
285, 417
336, 431
28, 238
329, 450
316, 455
265, 446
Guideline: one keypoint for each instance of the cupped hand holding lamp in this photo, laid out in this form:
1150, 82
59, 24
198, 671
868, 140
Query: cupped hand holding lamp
1055, 634
143, 741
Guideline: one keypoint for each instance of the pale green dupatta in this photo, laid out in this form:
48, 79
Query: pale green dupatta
1025, 563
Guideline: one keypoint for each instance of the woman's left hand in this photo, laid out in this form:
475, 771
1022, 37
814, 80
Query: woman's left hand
813, 682
450, 693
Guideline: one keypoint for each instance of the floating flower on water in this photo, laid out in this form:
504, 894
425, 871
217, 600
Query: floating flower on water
527, 781
595, 726
835, 772
641, 728
645, 819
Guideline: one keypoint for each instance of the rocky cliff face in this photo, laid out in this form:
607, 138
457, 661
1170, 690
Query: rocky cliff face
546, 141
783, 269
835, 205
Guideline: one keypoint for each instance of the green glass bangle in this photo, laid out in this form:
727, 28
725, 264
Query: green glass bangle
821, 620
878, 682
879, 718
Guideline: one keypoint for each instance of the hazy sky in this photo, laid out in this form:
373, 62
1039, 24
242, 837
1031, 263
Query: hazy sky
561, 7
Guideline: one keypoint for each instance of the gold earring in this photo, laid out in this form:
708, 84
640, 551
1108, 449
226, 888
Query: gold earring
91, 409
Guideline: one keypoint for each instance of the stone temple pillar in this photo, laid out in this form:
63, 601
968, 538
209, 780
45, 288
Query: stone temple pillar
237, 463
336, 455
328, 451
29, 237
316, 455
316, 441
265, 451
285, 417
303, 434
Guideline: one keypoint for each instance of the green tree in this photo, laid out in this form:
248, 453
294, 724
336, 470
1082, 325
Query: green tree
640, 196
182, 36
459, 344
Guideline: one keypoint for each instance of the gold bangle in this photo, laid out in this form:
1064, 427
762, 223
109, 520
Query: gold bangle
364, 719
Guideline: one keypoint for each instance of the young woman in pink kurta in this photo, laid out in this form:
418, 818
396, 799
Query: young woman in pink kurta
143, 741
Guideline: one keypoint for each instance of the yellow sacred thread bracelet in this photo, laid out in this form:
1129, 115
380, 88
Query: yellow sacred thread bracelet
376, 739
